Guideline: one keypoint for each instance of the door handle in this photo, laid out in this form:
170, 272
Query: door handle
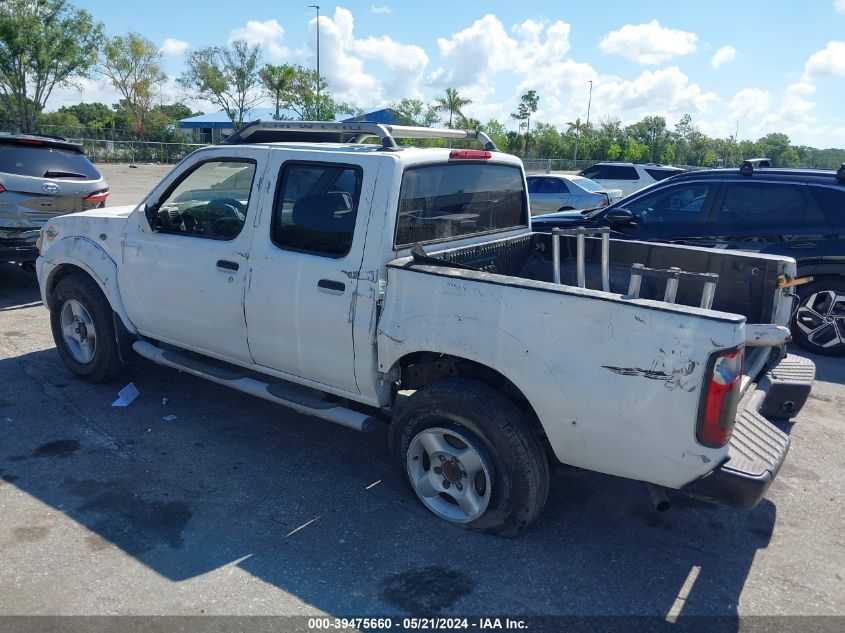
225, 264
802, 246
328, 284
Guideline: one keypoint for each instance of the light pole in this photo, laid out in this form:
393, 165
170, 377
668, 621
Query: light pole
589, 102
578, 129
319, 103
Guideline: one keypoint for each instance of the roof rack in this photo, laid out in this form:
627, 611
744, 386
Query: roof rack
347, 132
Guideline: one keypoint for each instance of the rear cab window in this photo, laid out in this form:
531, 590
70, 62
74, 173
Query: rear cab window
46, 162
441, 202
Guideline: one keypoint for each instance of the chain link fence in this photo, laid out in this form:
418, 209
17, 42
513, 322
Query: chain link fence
547, 165
106, 151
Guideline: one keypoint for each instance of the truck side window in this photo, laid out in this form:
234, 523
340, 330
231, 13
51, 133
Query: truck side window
316, 208
210, 202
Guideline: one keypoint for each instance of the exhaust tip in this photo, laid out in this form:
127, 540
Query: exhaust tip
659, 500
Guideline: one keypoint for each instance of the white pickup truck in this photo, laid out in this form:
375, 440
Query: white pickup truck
369, 283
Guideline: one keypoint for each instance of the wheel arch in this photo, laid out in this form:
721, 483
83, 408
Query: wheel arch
417, 369
78, 255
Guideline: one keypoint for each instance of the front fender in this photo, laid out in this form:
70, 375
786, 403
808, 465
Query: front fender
87, 255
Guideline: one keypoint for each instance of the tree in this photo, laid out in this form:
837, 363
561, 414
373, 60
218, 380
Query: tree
43, 44
132, 64
227, 77
576, 126
415, 112
309, 99
527, 107
452, 103
277, 81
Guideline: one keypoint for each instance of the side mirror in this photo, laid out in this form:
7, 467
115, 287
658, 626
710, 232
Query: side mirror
150, 214
620, 216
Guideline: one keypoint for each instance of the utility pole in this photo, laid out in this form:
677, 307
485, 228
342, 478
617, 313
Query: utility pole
319, 102
589, 103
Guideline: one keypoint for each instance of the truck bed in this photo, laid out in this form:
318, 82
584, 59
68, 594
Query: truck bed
747, 282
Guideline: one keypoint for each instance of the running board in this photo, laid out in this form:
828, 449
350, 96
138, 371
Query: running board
289, 395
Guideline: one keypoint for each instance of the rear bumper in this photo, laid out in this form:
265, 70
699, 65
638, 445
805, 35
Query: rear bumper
757, 447
18, 245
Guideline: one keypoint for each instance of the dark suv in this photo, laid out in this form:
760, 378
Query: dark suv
41, 177
794, 212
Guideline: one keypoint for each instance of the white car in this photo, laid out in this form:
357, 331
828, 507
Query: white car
550, 193
629, 177
374, 284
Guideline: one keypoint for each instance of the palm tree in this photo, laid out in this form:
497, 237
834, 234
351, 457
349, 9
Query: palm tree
576, 126
277, 80
451, 102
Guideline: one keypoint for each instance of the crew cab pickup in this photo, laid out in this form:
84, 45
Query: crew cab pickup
372, 283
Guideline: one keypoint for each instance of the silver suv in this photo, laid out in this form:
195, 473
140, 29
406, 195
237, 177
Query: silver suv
629, 177
41, 177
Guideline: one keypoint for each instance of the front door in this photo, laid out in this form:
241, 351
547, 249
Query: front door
182, 278
304, 268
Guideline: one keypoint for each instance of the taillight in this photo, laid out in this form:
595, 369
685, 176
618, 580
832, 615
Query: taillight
2, 188
470, 154
29, 141
98, 197
716, 421
604, 202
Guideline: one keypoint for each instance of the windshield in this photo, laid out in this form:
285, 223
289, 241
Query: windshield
447, 201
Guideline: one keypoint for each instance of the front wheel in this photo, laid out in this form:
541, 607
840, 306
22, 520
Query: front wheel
819, 323
83, 329
470, 457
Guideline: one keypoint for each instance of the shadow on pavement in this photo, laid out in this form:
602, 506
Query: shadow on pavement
319, 512
18, 288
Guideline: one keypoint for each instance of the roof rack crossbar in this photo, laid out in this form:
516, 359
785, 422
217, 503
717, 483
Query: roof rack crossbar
358, 130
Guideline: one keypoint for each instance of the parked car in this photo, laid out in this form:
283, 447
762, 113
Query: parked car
798, 213
308, 283
564, 192
629, 177
41, 177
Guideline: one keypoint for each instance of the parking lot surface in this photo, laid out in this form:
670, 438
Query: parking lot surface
238, 506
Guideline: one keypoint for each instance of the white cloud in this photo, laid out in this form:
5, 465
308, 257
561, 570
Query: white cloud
801, 88
648, 43
839, 6
750, 102
472, 56
171, 46
383, 10
666, 91
723, 56
268, 34
828, 62
343, 63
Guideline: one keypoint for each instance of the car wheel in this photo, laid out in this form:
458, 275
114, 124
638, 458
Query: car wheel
83, 329
470, 457
819, 323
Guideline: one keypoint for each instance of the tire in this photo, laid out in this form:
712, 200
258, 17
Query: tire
83, 329
464, 417
819, 322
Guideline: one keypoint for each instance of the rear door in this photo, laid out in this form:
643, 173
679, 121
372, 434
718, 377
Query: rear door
304, 266
776, 217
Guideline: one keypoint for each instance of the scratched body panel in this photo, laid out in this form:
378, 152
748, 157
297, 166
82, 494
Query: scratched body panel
616, 383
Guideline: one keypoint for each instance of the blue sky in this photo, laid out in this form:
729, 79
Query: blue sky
771, 66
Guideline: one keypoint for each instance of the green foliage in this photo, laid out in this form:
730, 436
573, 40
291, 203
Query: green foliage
415, 112
451, 102
277, 82
527, 106
43, 44
225, 76
307, 95
132, 64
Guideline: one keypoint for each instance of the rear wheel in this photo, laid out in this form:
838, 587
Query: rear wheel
83, 329
469, 456
819, 323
